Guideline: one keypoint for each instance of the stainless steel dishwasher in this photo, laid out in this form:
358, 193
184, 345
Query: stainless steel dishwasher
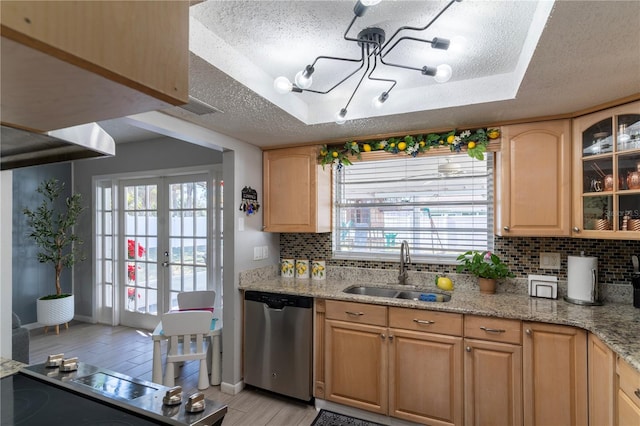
278, 342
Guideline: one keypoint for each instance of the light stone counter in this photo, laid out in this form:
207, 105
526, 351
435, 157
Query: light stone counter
616, 324
9, 367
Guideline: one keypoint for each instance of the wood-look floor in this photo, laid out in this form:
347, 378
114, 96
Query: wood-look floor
129, 351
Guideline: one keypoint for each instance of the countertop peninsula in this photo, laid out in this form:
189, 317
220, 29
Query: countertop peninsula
616, 324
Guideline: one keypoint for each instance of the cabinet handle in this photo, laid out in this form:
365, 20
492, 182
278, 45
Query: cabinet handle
506, 228
637, 393
492, 330
382, 336
391, 337
419, 321
528, 331
468, 348
355, 314
576, 229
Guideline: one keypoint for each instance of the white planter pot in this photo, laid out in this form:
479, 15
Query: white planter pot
55, 311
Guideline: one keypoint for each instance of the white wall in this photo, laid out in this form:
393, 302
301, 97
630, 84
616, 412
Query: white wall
6, 240
242, 166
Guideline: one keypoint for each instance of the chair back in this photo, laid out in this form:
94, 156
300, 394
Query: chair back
186, 328
194, 300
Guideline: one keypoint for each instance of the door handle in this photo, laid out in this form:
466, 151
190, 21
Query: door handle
165, 264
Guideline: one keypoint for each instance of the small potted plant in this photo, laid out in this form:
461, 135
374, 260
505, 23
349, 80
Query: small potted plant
52, 231
486, 266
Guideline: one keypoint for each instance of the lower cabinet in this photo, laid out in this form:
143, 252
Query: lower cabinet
602, 374
628, 398
492, 371
555, 375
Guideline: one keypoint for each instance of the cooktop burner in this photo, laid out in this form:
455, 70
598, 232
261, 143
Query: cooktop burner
38, 395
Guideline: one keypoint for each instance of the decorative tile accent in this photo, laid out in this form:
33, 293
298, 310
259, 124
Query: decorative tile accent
520, 253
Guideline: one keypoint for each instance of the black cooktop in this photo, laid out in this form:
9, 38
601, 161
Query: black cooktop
38, 395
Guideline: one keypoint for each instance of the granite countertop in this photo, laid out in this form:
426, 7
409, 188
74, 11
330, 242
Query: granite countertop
616, 324
9, 367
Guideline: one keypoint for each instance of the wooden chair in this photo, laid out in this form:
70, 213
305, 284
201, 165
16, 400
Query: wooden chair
181, 329
195, 300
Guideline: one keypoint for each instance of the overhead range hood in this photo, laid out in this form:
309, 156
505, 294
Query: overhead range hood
22, 148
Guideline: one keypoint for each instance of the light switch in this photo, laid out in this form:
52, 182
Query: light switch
265, 252
241, 224
257, 253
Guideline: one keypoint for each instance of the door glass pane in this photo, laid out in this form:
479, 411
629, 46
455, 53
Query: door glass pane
628, 132
629, 171
598, 211
598, 175
598, 139
187, 223
201, 195
630, 212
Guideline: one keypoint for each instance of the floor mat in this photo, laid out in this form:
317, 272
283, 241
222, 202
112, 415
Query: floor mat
329, 418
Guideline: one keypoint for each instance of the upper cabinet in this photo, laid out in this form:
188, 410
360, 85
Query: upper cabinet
69, 63
606, 174
533, 190
297, 191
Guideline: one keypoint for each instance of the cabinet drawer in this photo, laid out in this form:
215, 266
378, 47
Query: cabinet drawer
629, 380
357, 312
421, 320
494, 329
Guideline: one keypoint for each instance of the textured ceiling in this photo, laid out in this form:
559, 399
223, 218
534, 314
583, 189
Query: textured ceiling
588, 54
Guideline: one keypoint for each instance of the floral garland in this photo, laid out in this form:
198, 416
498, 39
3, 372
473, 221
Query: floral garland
475, 143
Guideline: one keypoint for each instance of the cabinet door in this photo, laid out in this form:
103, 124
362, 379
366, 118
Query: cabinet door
356, 365
297, 191
628, 394
555, 375
606, 174
492, 383
628, 412
602, 373
425, 377
533, 191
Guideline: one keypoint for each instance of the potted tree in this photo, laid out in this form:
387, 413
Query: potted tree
52, 232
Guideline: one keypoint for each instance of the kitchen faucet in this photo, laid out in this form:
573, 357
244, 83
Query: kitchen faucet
404, 259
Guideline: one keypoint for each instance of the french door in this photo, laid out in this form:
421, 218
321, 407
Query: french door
167, 244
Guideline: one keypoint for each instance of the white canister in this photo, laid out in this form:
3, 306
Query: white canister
582, 280
287, 268
318, 270
302, 268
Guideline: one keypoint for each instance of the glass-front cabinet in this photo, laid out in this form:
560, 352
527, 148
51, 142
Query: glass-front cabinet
606, 174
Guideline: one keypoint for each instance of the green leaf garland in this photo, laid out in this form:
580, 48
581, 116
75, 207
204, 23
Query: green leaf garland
475, 143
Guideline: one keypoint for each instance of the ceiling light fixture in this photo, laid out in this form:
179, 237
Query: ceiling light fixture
374, 46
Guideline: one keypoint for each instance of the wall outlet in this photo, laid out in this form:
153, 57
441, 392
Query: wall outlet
549, 260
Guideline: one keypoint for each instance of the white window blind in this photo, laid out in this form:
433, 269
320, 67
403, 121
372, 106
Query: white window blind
443, 206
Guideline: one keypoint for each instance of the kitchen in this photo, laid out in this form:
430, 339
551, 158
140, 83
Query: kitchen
523, 251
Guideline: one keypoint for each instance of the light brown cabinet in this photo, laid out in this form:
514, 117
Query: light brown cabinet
555, 375
602, 374
492, 371
628, 395
425, 366
606, 173
533, 185
297, 191
356, 355
70, 63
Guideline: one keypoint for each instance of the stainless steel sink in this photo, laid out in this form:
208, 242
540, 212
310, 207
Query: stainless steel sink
372, 291
394, 293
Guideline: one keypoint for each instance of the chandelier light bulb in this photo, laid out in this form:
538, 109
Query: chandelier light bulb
303, 80
378, 101
458, 45
340, 116
370, 2
443, 74
282, 85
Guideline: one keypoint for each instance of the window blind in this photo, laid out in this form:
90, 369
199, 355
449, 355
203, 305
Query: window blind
442, 206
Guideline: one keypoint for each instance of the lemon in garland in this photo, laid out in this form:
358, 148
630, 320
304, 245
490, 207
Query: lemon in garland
450, 139
366, 147
471, 145
402, 146
392, 144
334, 154
421, 143
493, 133
441, 142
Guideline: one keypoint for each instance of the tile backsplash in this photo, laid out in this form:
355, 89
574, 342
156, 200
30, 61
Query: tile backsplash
521, 254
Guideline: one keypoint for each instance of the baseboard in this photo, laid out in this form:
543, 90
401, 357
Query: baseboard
230, 389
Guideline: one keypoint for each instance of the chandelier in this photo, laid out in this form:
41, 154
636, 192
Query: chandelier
374, 47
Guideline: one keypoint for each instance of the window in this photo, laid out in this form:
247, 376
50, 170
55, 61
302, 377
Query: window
442, 205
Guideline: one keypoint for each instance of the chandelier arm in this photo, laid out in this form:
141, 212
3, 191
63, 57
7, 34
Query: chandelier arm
400, 66
375, 64
335, 58
338, 83
361, 79
382, 55
417, 28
